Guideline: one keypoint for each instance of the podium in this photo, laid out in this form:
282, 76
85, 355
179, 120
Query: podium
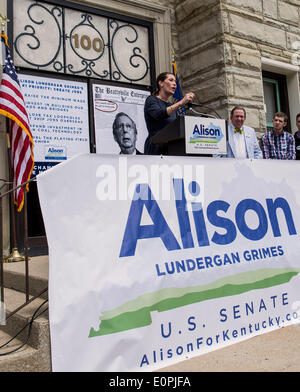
191, 135
172, 137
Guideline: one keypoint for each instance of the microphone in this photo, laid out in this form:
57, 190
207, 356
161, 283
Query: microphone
190, 104
190, 107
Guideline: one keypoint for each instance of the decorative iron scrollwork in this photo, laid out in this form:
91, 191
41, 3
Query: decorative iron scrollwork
135, 63
30, 44
86, 39
94, 46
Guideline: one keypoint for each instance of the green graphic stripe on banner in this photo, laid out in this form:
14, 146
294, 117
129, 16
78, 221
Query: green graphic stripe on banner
142, 317
203, 141
148, 299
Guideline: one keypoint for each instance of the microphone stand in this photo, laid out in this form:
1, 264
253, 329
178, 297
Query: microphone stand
190, 104
201, 114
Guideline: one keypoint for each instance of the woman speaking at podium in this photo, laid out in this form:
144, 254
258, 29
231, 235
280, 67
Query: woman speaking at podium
159, 112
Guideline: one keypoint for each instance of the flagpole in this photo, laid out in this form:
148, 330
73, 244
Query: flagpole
15, 255
4, 21
172, 54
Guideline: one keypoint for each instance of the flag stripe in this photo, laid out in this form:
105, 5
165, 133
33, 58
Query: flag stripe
15, 137
8, 87
21, 157
12, 105
11, 85
11, 100
23, 166
15, 113
14, 118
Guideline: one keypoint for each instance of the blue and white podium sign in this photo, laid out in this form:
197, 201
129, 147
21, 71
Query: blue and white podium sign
205, 135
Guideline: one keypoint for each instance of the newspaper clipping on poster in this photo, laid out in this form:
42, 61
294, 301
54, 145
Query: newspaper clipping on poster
111, 103
59, 120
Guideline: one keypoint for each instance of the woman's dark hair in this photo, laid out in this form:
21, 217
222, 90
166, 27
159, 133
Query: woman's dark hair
161, 77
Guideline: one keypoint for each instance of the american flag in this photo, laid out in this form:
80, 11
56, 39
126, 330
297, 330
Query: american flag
12, 105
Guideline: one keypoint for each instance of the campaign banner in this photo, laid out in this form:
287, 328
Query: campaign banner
59, 120
154, 260
111, 103
205, 135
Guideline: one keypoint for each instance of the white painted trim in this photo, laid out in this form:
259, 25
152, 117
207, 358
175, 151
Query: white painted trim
278, 66
292, 78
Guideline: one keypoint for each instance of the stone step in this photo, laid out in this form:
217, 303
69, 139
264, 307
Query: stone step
7, 345
39, 329
35, 355
14, 275
14, 356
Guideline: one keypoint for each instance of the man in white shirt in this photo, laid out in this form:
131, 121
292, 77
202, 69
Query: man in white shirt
242, 141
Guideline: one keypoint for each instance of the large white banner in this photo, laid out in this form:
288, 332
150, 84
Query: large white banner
59, 119
155, 260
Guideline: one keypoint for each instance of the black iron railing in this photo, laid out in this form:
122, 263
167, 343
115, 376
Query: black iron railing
9, 193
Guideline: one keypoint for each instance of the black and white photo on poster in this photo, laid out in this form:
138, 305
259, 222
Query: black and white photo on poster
119, 119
